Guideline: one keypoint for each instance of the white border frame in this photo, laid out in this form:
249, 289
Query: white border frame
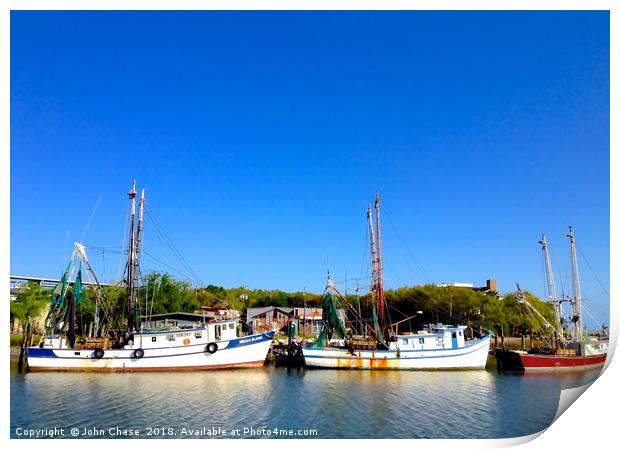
589, 423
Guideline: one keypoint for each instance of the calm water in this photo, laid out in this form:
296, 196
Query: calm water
337, 404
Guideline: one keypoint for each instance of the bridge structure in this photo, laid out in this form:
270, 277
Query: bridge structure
19, 281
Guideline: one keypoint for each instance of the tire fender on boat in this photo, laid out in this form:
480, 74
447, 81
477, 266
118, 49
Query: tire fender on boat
138, 353
211, 348
98, 354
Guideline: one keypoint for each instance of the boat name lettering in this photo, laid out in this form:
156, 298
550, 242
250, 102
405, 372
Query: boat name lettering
250, 340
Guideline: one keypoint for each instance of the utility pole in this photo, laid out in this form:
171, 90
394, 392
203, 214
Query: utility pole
305, 324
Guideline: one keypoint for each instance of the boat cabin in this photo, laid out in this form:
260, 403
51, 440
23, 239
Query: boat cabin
435, 337
183, 336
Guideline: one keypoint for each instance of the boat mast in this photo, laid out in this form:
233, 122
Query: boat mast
131, 298
379, 287
136, 262
373, 249
553, 297
576, 299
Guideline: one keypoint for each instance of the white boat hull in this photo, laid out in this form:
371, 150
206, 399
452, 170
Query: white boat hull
243, 352
472, 356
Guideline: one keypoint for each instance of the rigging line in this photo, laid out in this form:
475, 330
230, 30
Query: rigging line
348, 280
593, 306
396, 310
120, 259
108, 249
166, 240
363, 268
150, 313
436, 308
591, 316
545, 282
159, 234
166, 265
103, 263
90, 219
409, 252
421, 268
64, 257
162, 240
97, 252
174, 248
564, 275
592, 271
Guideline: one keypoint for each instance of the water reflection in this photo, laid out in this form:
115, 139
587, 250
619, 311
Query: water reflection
339, 404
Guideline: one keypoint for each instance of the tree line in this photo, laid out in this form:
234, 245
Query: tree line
162, 293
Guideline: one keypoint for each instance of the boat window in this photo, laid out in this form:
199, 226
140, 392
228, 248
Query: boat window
405, 341
453, 334
153, 338
198, 334
231, 326
421, 340
460, 333
218, 332
76, 353
171, 337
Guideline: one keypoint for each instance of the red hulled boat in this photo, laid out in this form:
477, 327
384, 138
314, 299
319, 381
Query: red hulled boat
579, 352
524, 361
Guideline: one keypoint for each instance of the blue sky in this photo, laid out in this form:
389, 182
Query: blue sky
260, 138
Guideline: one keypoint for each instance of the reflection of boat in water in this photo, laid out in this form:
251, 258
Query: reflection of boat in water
580, 352
119, 343
289, 356
438, 347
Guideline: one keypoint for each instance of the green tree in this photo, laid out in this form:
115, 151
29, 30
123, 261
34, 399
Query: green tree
30, 302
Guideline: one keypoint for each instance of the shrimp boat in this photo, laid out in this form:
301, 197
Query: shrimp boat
578, 352
121, 343
437, 347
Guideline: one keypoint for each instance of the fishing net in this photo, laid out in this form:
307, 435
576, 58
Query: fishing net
333, 327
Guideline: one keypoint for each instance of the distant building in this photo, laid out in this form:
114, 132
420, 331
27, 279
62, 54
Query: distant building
218, 313
180, 319
262, 319
490, 287
308, 321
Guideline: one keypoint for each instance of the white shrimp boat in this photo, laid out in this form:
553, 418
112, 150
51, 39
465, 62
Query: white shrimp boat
443, 348
211, 346
438, 347
121, 343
